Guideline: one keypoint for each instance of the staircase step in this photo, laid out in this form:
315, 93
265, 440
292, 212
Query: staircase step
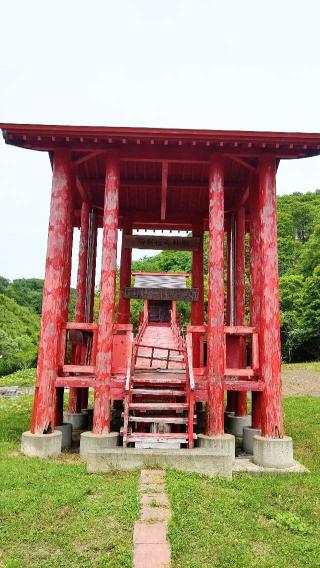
174, 437
158, 392
159, 419
178, 406
159, 380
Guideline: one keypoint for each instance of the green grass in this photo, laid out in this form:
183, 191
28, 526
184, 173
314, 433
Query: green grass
311, 366
24, 378
52, 513
266, 521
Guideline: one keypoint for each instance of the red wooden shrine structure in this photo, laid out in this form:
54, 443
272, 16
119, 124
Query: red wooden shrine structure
220, 182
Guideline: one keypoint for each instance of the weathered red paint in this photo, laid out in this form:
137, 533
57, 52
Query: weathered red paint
66, 296
215, 356
101, 417
241, 397
93, 279
270, 355
54, 292
75, 395
197, 308
255, 264
231, 395
125, 279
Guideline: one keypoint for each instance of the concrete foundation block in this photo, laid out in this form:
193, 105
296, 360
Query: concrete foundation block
248, 435
197, 460
237, 423
90, 442
41, 445
273, 452
218, 445
78, 420
66, 431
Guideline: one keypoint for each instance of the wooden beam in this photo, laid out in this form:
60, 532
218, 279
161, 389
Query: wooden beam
150, 184
164, 189
182, 294
84, 194
87, 157
242, 162
156, 242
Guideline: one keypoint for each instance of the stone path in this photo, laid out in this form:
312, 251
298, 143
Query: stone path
151, 548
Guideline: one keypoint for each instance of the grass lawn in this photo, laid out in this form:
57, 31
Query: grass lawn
265, 521
24, 378
312, 366
52, 513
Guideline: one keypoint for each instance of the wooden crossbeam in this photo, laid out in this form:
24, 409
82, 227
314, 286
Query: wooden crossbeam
182, 294
156, 242
87, 157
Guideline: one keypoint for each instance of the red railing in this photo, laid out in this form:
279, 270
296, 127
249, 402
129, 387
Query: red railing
190, 388
186, 346
234, 378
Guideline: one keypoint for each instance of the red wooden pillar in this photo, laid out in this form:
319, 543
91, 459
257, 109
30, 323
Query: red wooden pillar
93, 277
269, 352
54, 293
216, 349
101, 417
241, 397
75, 394
231, 395
255, 264
90, 293
66, 297
197, 282
125, 279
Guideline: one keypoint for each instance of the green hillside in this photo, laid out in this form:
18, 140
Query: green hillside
19, 334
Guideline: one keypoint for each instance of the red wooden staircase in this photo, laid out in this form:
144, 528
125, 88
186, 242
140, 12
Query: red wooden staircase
159, 400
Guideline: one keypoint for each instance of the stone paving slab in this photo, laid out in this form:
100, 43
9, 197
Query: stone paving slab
159, 500
150, 533
152, 556
151, 548
155, 514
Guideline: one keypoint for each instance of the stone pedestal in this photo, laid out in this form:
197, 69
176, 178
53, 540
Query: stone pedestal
66, 431
237, 423
273, 452
90, 442
78, 420
248, 435
41, 445
223, 445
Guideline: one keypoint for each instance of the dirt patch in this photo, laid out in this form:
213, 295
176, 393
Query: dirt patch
301, 382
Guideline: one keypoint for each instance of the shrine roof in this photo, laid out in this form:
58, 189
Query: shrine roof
47, 137
164, 172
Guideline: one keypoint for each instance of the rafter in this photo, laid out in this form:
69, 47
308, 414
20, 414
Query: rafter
242, 162
87, 157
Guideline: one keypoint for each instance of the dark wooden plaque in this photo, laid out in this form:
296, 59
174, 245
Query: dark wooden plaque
182, 294
160, 243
